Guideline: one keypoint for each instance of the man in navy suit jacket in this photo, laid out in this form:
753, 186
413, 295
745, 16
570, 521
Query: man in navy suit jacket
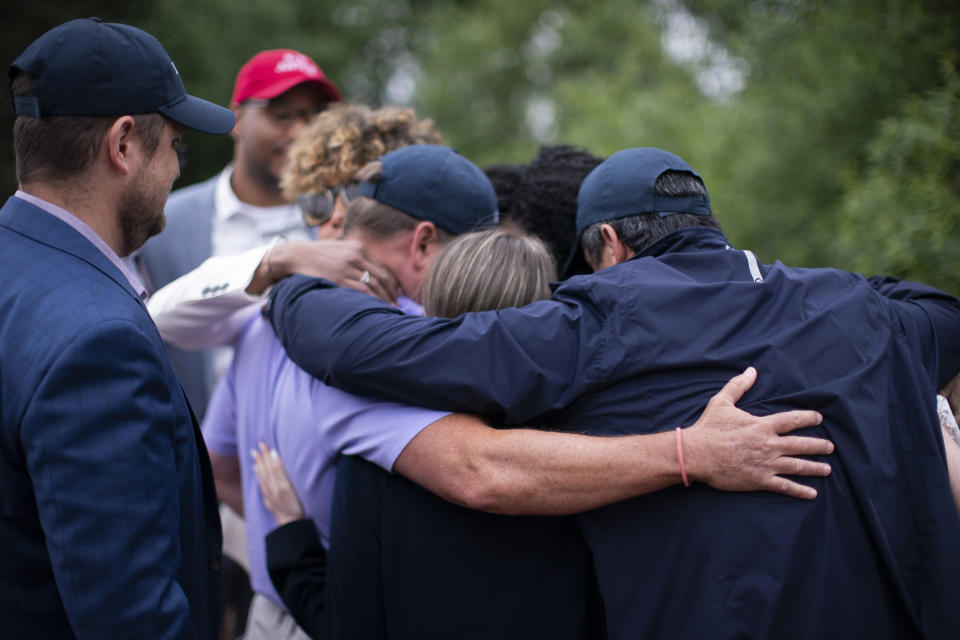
107, 510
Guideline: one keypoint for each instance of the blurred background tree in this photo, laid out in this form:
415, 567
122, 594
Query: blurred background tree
828, 132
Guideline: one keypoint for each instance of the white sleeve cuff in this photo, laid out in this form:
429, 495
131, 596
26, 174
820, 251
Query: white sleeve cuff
197, 310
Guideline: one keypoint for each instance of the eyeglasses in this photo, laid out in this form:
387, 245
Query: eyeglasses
317, 207
283, 115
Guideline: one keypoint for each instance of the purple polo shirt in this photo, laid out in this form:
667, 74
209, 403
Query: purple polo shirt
265, 397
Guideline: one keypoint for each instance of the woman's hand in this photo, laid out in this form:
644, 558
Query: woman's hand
279, 496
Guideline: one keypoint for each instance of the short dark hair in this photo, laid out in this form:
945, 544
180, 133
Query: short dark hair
61, 147
640, 231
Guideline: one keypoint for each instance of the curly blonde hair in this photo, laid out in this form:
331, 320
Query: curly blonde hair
344, 138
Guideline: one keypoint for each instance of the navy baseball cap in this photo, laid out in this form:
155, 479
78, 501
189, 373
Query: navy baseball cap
86, 67
435, 184
623, 185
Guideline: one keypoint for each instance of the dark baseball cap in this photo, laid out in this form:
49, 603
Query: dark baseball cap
87, 67
437, 184
623, 185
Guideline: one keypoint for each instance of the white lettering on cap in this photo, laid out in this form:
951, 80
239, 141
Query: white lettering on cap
174, 68
296, 62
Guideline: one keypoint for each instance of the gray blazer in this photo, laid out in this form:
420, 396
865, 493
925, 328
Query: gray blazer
182, 246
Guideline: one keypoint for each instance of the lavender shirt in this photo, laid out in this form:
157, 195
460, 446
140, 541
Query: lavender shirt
265, 397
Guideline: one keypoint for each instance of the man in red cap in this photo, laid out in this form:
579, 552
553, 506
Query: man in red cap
275, 94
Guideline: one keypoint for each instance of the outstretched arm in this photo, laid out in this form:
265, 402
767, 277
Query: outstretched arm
210, 305
296, 560
524, 362
521, 471
941, 351
524, 471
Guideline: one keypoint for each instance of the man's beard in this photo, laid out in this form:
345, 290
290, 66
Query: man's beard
140, 214
260, 172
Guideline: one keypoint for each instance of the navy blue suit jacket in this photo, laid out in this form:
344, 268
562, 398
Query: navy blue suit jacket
642, 346
108, 516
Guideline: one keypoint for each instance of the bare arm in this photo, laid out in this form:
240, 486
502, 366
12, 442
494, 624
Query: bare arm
523, 471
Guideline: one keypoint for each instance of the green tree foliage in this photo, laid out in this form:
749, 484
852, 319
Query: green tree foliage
355, 42
20, 24
901, 216
838, 148
822, 77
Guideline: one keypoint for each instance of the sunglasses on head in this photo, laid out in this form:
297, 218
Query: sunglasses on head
317, 207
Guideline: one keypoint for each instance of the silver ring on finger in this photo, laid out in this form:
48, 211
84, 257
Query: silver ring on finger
365, 278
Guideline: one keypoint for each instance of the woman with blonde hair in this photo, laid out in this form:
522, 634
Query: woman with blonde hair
383, 542
488, 270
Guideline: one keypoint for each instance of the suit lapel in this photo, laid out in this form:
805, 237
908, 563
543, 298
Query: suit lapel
28, 220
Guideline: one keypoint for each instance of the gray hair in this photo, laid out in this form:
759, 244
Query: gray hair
640, 231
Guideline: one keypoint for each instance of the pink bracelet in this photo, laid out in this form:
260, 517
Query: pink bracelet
683, 466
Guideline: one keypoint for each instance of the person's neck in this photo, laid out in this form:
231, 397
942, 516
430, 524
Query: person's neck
252, 192
88, 204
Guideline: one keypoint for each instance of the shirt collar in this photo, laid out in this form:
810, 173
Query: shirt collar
409, 307
687, 239
225, 203
84, 229
268, 221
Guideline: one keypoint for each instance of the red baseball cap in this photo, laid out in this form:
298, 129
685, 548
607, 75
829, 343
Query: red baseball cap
270, 73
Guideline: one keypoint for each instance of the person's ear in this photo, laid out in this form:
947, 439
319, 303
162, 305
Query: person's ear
423, 242
614, 249
121, 146
238, 112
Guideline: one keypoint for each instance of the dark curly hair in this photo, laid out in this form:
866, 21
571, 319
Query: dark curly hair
541, 197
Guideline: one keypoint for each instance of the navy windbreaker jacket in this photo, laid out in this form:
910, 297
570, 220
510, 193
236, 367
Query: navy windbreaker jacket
642, 346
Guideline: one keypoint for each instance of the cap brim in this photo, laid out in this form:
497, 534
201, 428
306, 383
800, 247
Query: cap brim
329, 90
196, 113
